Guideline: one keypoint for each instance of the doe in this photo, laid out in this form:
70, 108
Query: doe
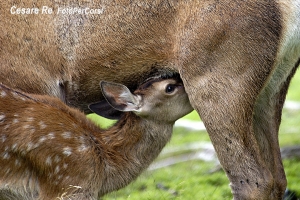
49, 150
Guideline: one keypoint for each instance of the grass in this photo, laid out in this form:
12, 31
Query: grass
193, 179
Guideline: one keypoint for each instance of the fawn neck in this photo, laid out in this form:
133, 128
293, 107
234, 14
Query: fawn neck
135, 142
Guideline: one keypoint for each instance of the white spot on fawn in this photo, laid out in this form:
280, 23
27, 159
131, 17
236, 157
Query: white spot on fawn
67, 151
82, 139
22, 98
6, 155
23, 152
27, 126
6, 148
16, 95
42, 125
6, 127
65, 165
30, 119
7, 171
42, 139
17, 163
51, 136
30, 146
2, 93
82, 148
3, 138
15, 121
57, 159
36, 145
55, 182
48, 160
66, 135
2, 117
56, 170
14, 146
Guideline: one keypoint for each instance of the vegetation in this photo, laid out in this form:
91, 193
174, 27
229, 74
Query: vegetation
197, 179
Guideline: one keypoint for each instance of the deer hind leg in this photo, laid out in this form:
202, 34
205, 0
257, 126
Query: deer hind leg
242, 121
267, 118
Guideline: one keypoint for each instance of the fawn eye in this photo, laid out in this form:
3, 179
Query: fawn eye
170, 88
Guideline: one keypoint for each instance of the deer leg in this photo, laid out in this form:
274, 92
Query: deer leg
242, 121
267, 118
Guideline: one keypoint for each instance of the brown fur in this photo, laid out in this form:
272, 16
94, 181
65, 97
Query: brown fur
232, 55
50, 150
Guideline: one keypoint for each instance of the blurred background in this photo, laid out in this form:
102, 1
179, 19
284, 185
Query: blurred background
188, 168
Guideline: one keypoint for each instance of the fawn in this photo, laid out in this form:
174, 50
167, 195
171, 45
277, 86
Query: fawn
51, 151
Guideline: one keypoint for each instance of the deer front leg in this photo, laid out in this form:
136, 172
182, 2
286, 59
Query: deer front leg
242, 129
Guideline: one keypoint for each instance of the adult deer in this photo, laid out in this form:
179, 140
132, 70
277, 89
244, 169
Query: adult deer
236, 59
48, 147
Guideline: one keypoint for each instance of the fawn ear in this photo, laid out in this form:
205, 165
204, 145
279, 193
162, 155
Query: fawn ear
104, 109
119, 96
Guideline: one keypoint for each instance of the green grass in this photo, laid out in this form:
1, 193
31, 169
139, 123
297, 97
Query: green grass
294, 93
177, 182
193, 179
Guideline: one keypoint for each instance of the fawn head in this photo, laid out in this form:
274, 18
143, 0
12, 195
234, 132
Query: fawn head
164, 100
